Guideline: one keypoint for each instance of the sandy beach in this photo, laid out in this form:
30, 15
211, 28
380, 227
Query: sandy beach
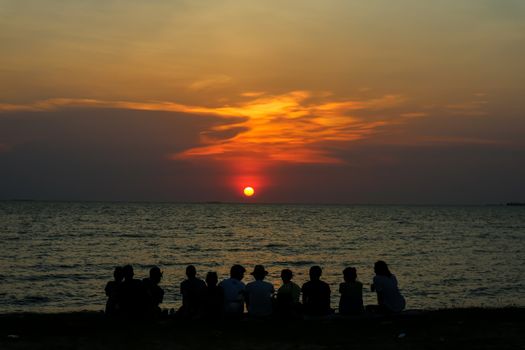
473, 328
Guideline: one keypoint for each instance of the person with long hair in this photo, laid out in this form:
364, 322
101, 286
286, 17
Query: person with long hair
389, 298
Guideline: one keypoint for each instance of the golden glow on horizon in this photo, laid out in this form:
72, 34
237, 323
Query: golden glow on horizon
248, 191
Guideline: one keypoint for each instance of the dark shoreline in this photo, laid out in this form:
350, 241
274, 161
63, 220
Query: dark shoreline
470, 328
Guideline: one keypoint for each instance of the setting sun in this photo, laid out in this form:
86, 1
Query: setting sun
249, 191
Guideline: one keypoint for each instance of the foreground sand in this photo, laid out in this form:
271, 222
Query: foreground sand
443, 329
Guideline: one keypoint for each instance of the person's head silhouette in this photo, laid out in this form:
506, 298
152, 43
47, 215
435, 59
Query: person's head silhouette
350, 274
155, 275
259, 272
286, 275
381, 269
315, 273
191, 271
212, 279
237, 272
118, 274
128, 272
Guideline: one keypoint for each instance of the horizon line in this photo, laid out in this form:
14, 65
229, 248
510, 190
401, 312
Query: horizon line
214, 202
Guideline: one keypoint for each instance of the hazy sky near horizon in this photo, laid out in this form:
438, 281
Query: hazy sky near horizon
308, 101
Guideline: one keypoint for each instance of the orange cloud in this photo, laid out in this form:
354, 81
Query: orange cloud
296, 127
292, 128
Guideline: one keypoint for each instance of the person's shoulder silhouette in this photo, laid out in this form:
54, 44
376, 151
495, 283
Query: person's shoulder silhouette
154, 293
112, 291
213, 302
316, 294
192, 291
289, 290
288, 296
234, 290
385, 285
351, 291
132, 294
259, 294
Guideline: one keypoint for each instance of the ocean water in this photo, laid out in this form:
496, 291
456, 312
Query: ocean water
59, 256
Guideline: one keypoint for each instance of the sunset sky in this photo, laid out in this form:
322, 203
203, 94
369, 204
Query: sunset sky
333, 101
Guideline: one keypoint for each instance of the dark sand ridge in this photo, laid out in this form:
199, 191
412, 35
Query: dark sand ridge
473, 328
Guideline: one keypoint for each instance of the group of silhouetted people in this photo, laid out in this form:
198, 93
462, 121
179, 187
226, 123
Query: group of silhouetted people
132, 298
211, 300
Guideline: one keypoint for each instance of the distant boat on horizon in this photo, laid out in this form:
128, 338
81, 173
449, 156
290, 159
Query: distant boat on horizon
516, 204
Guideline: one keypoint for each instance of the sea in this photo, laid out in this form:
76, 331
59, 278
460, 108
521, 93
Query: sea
58, 256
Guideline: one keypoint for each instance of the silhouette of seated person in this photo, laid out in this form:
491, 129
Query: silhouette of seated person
213, 300
288, 295
192, 290
234, 292
351, 290
132, 295
316, 294
389, 298
112, 287
154, 293
259, 294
